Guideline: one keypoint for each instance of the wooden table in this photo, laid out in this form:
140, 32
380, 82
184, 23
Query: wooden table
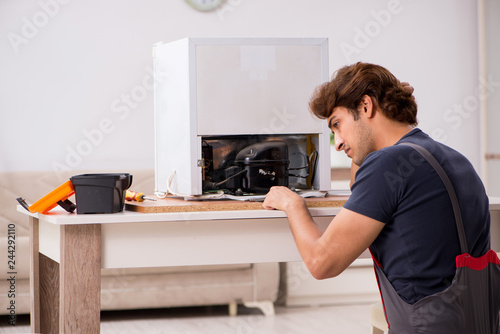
69, 250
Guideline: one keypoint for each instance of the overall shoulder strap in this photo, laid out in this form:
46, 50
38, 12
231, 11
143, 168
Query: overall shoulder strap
451, 191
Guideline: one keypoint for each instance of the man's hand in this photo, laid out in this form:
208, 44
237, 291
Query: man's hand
282, 198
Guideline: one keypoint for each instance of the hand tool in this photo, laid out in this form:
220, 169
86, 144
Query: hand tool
135, 196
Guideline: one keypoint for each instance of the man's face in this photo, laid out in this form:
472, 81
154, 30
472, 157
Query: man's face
354, 137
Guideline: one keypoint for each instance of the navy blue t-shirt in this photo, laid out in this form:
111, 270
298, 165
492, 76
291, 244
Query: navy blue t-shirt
419, 242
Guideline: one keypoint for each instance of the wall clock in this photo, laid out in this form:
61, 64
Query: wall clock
205, 5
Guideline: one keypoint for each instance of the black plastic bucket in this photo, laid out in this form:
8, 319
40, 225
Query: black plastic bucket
100, 193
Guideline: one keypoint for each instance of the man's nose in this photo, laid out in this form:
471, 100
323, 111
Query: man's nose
339, 143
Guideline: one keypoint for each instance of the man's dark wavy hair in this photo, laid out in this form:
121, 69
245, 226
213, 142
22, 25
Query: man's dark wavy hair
351, 83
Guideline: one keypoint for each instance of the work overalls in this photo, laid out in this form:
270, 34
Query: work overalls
470, 305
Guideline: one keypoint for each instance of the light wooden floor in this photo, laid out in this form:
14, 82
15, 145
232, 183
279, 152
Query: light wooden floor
349, 319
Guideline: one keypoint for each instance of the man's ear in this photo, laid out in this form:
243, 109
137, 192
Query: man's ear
366, 106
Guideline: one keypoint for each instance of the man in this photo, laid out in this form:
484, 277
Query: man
398, 207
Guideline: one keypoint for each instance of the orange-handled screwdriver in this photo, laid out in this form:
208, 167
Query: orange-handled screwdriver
139, 197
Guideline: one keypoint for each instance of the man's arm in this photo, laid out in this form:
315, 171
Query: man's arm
325, 254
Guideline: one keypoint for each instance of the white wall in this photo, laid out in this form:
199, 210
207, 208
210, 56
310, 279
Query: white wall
75, 76
492, 94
